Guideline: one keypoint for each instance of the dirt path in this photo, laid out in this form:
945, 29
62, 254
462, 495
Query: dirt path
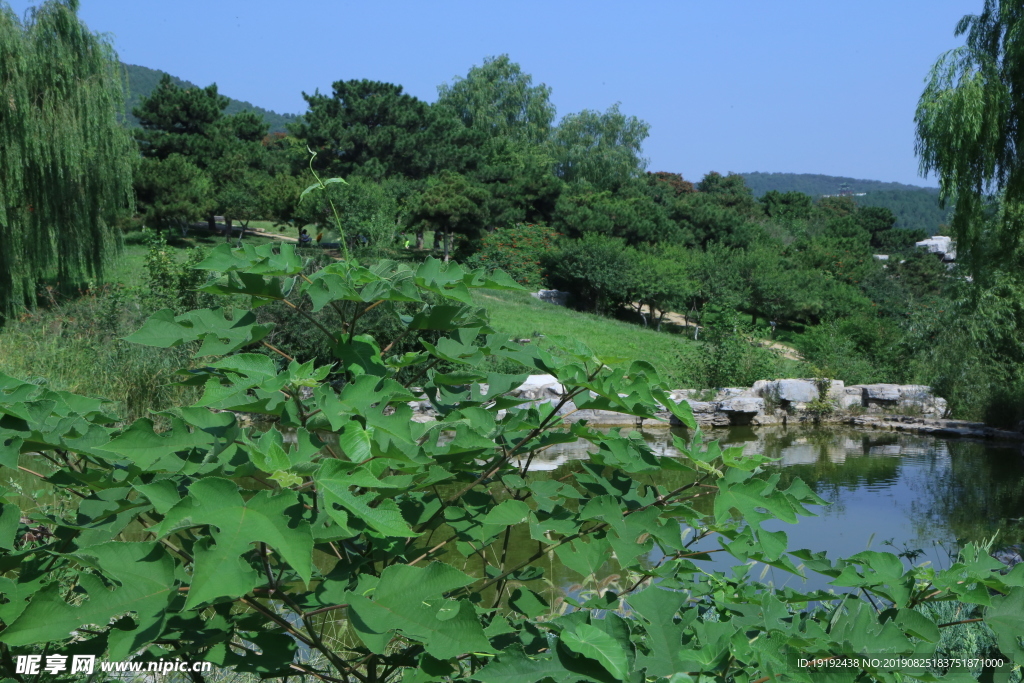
682, 321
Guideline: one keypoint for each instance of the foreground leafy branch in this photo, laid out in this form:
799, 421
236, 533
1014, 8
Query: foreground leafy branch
341, 542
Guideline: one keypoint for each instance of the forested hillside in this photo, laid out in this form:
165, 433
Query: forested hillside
816, 184
915, 208
143, 80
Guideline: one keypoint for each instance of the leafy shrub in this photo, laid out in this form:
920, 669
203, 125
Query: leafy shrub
597, 271
729, 359
519, 251
351, 541
171, 283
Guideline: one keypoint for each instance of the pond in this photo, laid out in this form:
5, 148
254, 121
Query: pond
888, 491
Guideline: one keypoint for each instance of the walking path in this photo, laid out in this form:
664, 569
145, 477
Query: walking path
682, 321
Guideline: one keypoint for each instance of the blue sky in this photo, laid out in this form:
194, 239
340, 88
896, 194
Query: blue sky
733, 85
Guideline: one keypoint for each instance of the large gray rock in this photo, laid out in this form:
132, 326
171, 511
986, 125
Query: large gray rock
850, 397
796, 390
703, 407
878, 393
939, 244
742, 405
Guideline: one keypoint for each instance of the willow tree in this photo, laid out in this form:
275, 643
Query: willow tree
970, 130
65, 159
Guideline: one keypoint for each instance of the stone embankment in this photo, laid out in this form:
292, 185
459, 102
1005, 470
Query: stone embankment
900, 407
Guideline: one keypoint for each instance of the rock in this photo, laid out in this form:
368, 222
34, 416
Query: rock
850, 397
742, 405
552, 296
731, 392
742, 411
795, 390
875, 393
539, 386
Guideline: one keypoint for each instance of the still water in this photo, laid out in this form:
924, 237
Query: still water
887, 491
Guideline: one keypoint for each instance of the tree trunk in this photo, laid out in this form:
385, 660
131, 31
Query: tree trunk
419, 240
660, 318
447, 242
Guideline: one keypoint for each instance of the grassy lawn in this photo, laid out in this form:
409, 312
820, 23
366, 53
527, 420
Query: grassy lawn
519, 315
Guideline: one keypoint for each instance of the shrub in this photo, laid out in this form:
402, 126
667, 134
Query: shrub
519, 251
597, 270
729, 359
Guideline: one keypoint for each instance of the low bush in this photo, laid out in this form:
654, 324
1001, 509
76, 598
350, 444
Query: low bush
520, 251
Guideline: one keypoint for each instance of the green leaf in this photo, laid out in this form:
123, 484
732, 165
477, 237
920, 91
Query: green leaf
592, 642
527, 602
385, 516
144, 572
10, 518
773, 543
1006, 619
409, 600
220, 570
142, 445
658, 607
219, 333
584, 558
507, 513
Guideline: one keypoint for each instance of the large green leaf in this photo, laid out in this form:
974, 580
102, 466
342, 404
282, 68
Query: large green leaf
1006, 619
664, 638
381, 514
592, 642
144, 572
220, 333
410, 600
220, 570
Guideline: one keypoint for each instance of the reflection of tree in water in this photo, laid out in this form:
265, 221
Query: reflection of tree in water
946, 489
844, 461
981, 492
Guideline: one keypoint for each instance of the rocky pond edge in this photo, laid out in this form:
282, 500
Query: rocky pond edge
910, 408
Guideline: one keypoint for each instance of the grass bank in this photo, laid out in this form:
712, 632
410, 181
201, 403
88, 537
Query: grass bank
520, 316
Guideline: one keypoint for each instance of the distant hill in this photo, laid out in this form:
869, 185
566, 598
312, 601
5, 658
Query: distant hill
816, 185
142, 81
915, 207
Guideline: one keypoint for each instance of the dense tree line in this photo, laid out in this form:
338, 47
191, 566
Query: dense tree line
489, 167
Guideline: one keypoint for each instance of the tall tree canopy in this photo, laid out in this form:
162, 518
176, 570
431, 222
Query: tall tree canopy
228, 149
375, 130
602, 149
499, 100
65, 160
970, 126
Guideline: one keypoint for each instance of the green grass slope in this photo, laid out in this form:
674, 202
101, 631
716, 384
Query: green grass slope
520, 316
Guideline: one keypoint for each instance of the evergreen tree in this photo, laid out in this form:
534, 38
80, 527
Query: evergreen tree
65, 160
375, 130
191, 122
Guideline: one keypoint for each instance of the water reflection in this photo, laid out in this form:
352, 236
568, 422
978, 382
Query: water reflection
888, 491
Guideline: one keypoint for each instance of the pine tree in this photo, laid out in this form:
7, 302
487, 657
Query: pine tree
65, 159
